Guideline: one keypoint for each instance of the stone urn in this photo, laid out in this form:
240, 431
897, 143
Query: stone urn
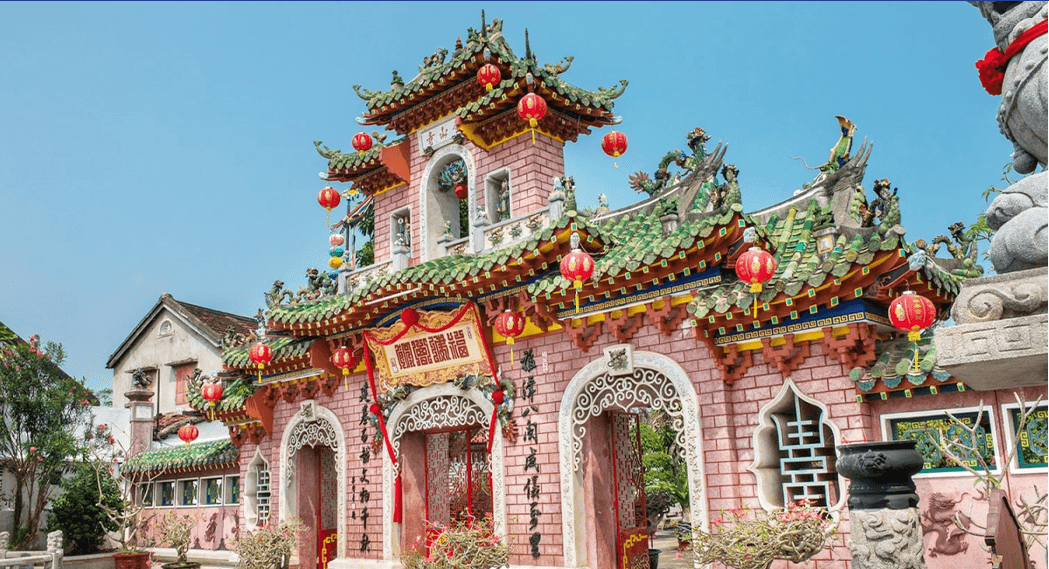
885, 524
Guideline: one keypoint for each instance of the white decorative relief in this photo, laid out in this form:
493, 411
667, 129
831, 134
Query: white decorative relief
314, 425
657, 382
437, 407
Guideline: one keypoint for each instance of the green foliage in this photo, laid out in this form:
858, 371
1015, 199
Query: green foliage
366, 254
77, 512
663, 460
270, 547
41, 407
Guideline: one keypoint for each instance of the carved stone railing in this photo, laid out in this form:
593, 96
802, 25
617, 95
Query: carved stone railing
515, 229
353, 279
456, 247
50, 559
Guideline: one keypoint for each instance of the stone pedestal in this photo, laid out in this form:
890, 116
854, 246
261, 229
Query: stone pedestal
1001, 332
884, 521
141, 419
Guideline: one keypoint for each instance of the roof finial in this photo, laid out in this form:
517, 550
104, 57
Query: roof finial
484, 27
528, 48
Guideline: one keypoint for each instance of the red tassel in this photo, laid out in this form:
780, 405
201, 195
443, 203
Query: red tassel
398, 506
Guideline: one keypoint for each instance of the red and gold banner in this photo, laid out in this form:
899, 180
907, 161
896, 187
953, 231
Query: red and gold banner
427, 348
327, 543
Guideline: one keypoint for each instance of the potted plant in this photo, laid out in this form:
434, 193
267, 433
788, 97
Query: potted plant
466, 544
794, 533
270, 547
174, 531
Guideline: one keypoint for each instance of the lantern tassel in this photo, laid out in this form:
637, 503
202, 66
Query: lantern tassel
755, 289
578, 286
914, 336
346, 378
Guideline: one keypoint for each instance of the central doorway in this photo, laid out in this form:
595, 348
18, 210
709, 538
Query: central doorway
628, 475
458, 478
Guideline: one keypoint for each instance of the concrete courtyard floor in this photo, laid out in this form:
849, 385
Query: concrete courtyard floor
666, 541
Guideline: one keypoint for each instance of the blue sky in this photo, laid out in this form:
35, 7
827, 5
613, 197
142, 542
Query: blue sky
168, 147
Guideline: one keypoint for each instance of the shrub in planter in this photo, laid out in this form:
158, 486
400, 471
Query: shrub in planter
269, 547
77, 512
174, 530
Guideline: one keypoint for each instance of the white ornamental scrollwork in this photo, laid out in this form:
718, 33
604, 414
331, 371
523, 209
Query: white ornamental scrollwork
645, 387
313, 433
437, 413
657, 382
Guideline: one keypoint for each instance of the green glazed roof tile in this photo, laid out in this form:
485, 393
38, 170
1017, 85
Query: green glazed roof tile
198, 455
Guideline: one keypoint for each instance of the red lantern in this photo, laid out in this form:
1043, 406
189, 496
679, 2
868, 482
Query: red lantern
344, 360
260, 355
488, 76
212, 393
329, 198
912, 313
755, 266
188, 433
577, 266
614, 144
362, 142
531, 108
461, 191
510, 324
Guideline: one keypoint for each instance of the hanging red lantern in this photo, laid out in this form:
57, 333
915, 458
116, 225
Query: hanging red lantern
531, 108
344, 360
329, 198
577, 267
188, 433
461, 191
614, 144
755, 266
362, 142
510, 325
212, 393
912, 313
488, 76
260, 354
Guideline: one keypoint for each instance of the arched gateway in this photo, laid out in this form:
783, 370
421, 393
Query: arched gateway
438, 407
623, 379
312, 467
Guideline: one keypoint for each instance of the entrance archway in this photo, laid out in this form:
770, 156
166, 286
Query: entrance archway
623, 379
437, 407
313, 444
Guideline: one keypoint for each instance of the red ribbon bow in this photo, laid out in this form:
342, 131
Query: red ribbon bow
992, 66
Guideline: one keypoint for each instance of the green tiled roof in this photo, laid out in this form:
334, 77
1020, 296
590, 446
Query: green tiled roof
895, 364
196, 455
338, 160
544, 75
233, 396
281, 348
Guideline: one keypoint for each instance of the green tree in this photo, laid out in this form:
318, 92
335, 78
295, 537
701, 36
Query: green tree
664, 461
40, 408
366, 254
77, 511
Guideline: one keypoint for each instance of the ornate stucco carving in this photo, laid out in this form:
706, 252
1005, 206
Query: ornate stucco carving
437, 407
656, 382
886, 539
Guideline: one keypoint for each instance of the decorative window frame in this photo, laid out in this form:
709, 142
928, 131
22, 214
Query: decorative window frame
142, 490
180, 495
763, 465
307, 428
165, 329
886, 435
429, 183
437, 407
1009, 428
599, 387
250, 495
160, 494
227, 490
204, 491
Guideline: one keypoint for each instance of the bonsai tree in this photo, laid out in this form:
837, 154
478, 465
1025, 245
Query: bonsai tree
270, 547
466, 544
76, 511
106, 453
174, 530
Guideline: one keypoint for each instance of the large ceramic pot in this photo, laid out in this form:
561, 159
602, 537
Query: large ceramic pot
881, 474
653, 558
132, 560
